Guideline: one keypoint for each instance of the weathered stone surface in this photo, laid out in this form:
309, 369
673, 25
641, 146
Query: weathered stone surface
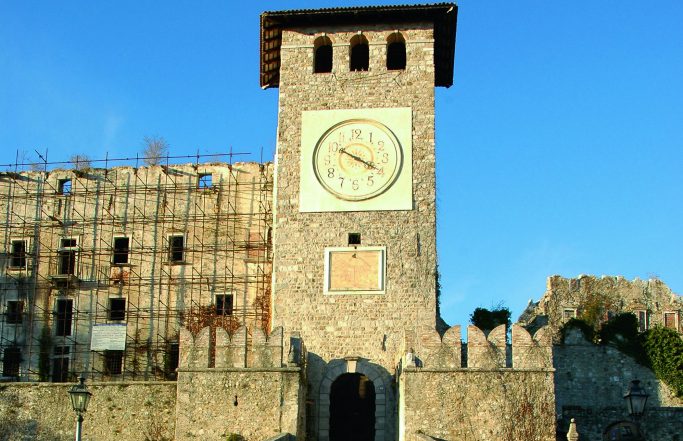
482, 405
256, 404
117, 411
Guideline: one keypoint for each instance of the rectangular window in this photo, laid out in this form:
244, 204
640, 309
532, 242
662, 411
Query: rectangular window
205, 180
60, 364
643, 321
671, 320
11, 359
15, 312
64, 186
67, 256
176, 248
113, 362
569, 313
121, 249
64, 317
224, 304
18, 254
117, 309
354, 238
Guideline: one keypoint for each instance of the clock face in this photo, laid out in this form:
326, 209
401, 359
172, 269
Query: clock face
357, 159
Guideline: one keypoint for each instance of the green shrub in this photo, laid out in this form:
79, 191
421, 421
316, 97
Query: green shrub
664, 350
581, 325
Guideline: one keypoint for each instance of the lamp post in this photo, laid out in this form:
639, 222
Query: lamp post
635, 398
80, 396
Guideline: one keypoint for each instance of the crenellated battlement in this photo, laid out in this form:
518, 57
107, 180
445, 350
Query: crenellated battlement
246, 348
430, 350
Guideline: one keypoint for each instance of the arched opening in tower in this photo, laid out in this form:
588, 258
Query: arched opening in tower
352, 408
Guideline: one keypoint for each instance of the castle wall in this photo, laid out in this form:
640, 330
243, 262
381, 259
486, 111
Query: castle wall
488, 399
237, 384
650, 300
254, 403
590, 381
483, 405
134, 411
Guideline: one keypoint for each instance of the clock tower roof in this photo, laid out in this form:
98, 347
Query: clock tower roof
442, 15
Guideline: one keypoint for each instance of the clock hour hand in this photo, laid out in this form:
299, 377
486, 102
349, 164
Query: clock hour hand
359, 159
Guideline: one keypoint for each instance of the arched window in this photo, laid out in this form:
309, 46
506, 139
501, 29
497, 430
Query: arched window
322, 56
360, 53
396, 52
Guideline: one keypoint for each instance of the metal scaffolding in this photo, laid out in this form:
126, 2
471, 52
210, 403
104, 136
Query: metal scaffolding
100, 267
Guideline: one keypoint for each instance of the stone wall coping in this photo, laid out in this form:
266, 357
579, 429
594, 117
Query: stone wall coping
245, 370
88, 383
474, 369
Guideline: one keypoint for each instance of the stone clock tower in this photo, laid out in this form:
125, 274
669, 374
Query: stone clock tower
354, 237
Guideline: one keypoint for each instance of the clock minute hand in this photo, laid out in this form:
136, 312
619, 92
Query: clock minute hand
359, 159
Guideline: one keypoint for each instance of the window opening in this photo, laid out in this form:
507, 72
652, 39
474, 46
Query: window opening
205, 180
11, 359
643, 319
176, 248
18, 254
670, 320
60, 364
121, 250
396, 52
322, 56
67, 256
354, 238
224, 304
117, 309
113, 362
360, 53
15, 312
64, 186
64, 317
569, 313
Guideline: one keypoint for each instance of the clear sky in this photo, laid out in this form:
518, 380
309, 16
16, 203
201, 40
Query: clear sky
559, 147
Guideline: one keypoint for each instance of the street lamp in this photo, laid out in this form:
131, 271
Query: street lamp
80, 396
635, 398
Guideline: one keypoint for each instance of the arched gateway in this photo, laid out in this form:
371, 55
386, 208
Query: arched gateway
355, 402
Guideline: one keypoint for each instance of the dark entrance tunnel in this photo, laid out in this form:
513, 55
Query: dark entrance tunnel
352, 408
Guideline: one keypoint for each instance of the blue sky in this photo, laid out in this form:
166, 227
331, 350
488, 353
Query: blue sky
559, 147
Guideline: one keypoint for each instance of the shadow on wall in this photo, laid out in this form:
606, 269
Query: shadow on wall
14, 427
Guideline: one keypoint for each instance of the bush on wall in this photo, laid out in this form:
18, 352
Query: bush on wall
664, 350
659, 349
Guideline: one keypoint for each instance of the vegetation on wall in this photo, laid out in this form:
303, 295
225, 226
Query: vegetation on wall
659, 349
487, 320
664, 350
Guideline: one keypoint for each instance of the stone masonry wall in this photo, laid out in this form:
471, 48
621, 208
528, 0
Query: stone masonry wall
366, 326
653, 297
236, 384
484, 400
125, 411
590, 381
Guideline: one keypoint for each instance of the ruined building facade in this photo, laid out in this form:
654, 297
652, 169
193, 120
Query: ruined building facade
103, 266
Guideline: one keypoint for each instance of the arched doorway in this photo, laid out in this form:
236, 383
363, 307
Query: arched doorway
352, 408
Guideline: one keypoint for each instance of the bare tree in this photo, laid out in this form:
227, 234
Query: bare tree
81, 162
156, 148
